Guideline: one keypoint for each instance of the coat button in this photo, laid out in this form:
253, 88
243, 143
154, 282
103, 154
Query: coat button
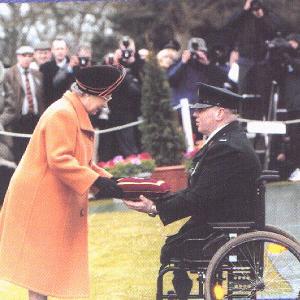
82, 212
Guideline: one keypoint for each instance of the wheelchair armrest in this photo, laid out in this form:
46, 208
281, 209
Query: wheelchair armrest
232, 225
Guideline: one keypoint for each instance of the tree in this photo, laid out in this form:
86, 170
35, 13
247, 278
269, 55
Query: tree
160, 132
28, 23
160, 20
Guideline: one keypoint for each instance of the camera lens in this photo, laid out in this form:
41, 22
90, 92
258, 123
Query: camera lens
83, 61
195, 46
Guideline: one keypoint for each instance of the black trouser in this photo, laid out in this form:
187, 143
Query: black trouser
173, 249
255, 80
26, 124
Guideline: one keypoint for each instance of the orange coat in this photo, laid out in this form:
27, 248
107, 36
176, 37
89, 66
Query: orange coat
43, 223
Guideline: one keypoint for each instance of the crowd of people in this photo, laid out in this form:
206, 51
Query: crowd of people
247, 64
56, 96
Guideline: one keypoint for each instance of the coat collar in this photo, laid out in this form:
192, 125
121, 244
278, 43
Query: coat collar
224, 130
83, 117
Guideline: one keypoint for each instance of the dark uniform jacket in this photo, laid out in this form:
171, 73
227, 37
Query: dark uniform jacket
222, 184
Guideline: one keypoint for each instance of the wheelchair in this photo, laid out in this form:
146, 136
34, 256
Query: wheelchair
243, 260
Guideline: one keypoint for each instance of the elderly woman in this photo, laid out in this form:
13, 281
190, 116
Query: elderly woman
43, 223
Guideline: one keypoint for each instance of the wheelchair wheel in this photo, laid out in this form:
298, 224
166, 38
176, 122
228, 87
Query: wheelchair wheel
256, 265
277, 230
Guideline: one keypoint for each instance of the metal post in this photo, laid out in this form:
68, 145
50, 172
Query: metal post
187, 124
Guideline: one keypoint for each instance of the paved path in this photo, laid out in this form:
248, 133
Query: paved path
283, 206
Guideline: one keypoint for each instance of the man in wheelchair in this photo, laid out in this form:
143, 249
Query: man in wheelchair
222, 182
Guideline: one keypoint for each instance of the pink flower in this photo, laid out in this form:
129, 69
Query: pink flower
118, 159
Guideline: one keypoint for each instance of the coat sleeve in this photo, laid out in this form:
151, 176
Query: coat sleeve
222, 163
60, 133
9, 113
175, 72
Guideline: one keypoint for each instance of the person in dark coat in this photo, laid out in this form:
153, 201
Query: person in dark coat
250, 29
291, 95
57, 73
222, 183
192, 67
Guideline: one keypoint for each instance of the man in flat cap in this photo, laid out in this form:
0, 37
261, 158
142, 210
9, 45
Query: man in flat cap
42, 54
28, 95
43, 222
222, 183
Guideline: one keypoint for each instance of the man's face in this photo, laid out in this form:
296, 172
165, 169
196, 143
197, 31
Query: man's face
24, 60
257, 11
206, 119
59, 50
42, 56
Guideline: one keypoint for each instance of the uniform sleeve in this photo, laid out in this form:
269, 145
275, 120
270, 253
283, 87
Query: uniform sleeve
213, 182
61, 130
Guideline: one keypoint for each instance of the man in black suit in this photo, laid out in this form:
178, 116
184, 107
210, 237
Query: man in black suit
222, 183
54, 72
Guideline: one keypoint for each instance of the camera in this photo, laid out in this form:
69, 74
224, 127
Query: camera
278, 49
126, 53
83, 61
194, 47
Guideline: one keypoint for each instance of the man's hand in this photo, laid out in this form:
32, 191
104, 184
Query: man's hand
74, 61
202, 58
247, 4
186, 55
144, 205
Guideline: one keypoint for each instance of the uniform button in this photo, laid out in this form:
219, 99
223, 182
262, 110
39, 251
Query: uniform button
82, 212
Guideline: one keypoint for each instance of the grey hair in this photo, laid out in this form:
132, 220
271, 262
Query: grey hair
74, 88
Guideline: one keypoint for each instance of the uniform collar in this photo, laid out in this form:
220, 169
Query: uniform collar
83, 117
217, 135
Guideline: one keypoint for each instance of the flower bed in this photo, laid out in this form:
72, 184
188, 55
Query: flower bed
131, 166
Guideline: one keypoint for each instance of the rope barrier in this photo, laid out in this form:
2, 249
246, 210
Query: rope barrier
97, 131
116, 128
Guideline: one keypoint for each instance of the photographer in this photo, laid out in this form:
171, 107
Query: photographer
122, 110
192, 67
128, 57
58, 74
251, 28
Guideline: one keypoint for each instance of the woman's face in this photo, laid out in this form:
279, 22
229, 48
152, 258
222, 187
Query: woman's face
93, 104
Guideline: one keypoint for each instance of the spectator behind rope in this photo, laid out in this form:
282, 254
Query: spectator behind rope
28, 95
250, 29
7, 117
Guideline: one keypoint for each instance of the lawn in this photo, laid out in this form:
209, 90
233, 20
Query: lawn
124, 249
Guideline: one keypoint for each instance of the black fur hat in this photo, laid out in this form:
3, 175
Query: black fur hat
99, 80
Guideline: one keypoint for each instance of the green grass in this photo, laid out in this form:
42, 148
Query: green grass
124, 250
